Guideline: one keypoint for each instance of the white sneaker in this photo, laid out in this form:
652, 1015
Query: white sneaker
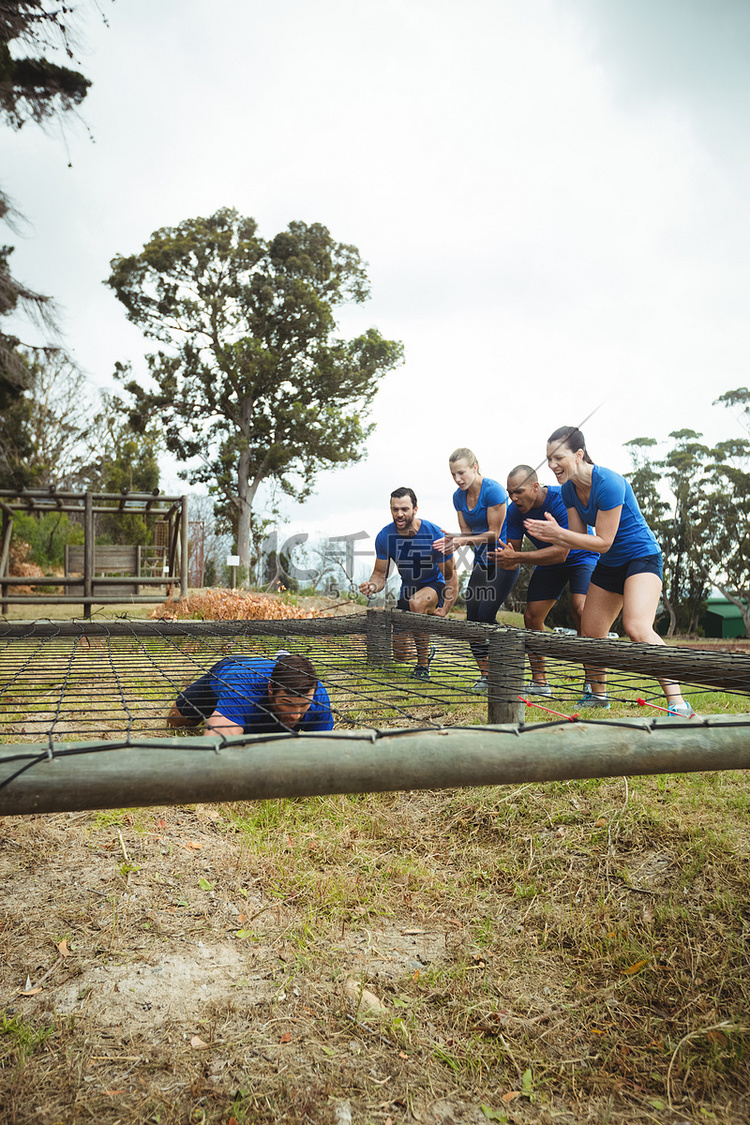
590, 699
480, 687
538, 689
684, 710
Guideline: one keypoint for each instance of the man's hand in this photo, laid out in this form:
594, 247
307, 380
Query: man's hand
504, 557
176, 719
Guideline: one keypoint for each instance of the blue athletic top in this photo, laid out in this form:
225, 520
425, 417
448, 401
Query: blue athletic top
552, 503
490, 494
414, 556
242, 690
634, 538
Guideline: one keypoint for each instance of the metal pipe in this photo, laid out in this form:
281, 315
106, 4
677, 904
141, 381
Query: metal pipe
730, 672
99, 580
324, 626
727, 671
74, 599
44, 494
183, 770
79, 509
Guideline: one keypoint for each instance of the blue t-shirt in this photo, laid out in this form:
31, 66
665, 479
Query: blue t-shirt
241, 688
634, 538
552, 503
416, 559
491, 493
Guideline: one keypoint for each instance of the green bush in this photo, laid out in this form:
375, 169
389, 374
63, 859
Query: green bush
210, 577
47, 536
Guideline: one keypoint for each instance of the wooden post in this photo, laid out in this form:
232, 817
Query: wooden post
379, 636
7, 533
88, 552
172, 549
505, 676
184, 547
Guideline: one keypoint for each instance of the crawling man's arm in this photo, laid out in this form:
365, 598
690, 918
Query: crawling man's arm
219, 724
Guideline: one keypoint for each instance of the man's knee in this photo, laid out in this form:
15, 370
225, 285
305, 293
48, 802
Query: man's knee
423, 601
535, 616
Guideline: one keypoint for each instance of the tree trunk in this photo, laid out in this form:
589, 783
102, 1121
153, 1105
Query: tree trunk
245, 495
672, 615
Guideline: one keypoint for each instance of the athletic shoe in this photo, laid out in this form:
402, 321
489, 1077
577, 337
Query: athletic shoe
589, 699
422, 671
684, 710
480, 687
538, 689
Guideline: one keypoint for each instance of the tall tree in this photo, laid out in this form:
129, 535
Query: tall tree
704, 531
722, 546
44, 430
253, 379
671, 520
684, 467
120, 459
32, 88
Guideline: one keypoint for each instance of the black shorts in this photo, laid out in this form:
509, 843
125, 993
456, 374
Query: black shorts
613, 578
408, 592
548, 582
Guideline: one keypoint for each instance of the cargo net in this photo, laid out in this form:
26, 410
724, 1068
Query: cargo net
99, 682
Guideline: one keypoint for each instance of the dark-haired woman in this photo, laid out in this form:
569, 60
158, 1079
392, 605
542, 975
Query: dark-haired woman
628, 576
481, 505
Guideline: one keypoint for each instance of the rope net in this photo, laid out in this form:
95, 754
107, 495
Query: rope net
95, 681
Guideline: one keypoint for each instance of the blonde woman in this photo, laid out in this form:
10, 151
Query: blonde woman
481, 504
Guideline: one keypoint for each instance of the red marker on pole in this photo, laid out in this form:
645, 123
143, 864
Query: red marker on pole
570, 718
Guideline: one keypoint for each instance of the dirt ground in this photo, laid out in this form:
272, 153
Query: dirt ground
540, 956
179, 983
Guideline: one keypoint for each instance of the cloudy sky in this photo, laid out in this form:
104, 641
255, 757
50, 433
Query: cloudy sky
552, 196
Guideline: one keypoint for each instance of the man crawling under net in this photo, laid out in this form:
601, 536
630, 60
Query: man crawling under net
242, 695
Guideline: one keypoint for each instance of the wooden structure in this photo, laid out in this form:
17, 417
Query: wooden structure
98, 575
